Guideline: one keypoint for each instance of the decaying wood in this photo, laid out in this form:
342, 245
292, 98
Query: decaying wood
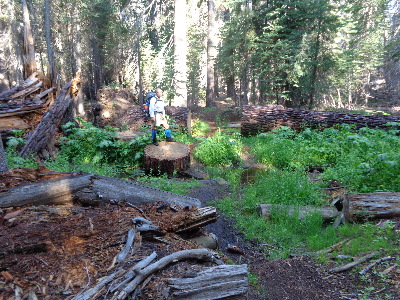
55, 191
354, 263
104, 189
256, 119
202, 217
367, 206
369, 267
327, 213
166, 157
129, 242
198, 254
7, 95
13, 123
50, 122
94, 290
217, 282
131, 273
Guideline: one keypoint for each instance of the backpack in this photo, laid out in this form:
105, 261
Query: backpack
146, 103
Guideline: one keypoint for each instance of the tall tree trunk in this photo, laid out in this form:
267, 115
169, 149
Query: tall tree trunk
3, 160
78, 107
314, 70
29, 43
211, 55
50, 56
180, 48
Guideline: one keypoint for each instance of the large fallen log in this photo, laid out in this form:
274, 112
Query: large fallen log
217, 282
89, 189
106, 189
48, 126
369, 206
327, 213
55, 191
256, 119
166, 158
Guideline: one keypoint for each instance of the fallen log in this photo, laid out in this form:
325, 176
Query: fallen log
198, 254
217, 282
105, 189
256, 119
354, 263
369, 206
55, 191
327, 213
166, 158
89, 189
50, 122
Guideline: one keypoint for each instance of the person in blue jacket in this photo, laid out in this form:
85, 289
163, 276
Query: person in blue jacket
157, 117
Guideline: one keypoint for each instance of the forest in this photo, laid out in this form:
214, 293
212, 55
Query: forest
283, 177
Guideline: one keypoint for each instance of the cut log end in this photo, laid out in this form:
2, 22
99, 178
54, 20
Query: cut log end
166, 158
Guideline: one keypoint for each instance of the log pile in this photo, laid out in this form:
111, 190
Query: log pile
256, 119
31, 106
20, 105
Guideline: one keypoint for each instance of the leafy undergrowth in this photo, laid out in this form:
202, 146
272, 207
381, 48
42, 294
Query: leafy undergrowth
364, 160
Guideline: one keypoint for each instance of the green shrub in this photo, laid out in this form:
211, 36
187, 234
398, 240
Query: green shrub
220, 149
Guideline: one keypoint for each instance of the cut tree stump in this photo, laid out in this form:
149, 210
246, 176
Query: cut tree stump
166, 158
369, 206
327, 213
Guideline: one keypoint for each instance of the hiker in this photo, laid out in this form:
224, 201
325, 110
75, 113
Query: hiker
157, 117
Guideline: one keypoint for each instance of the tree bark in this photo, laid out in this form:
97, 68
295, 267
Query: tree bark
29, 43
369, 206
180, 49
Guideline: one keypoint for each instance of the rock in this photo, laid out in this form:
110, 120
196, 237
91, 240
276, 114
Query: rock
208, 240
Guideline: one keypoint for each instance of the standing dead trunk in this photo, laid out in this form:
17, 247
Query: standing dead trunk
180, 49
3, 160
211, 55
29, 43
48, 41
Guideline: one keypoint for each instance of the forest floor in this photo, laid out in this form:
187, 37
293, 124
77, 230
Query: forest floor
56, 252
